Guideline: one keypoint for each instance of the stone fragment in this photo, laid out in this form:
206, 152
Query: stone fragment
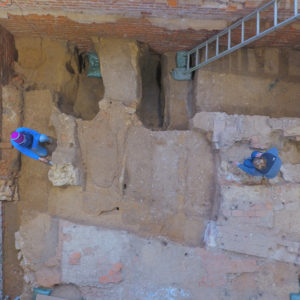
253, 217
258, 243
64, 174
66, 158
47, 277
229, 129
121, 261
291, 173
35, 239
120, 69
74, 258
289, 126
43, 297
8, 190
66, 291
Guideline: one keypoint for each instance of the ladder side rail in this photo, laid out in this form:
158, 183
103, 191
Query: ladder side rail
243, 32
266, 5
295, 7
257, 23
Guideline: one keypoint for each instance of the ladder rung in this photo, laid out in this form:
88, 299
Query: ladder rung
257, 23
275, 12
243, 32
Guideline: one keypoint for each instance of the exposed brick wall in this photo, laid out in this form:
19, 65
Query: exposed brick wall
205, 9
7, 54
138, 8
134, 20
159, 38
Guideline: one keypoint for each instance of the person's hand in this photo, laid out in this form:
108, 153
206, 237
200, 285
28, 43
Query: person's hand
44, 160
234, 162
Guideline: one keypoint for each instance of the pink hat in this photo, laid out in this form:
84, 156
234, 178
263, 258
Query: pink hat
17, 137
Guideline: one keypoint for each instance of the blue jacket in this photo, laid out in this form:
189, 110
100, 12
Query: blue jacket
35, 141
249, 168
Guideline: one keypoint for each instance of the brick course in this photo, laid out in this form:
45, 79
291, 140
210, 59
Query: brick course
7, 55
134, 21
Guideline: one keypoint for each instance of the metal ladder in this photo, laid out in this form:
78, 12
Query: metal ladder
201, 55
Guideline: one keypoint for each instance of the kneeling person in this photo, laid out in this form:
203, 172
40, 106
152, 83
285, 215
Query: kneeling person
266, 164
28, 142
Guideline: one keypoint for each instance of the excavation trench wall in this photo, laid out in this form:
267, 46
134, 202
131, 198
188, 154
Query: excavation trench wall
141, 198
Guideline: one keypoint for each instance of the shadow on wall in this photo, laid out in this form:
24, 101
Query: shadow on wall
80, 96
251, 81
151, 108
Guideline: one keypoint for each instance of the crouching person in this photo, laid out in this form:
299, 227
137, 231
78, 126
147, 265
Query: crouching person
28, 142
266, 164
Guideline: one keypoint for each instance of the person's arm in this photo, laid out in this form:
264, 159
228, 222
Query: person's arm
249, 170
25, 151
273, 151
31, 154
35, 136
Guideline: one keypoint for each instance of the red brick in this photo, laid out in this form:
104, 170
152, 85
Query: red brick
48, 277
74, 258
8, 53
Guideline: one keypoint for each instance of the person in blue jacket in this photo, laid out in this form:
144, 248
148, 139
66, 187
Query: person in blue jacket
266, 164
28, 142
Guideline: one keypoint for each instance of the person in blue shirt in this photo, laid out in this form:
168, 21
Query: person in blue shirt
28, 142
266, 164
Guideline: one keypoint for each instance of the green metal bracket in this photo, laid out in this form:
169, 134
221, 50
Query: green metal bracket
181, 59
94, 65
40, 291
180, 73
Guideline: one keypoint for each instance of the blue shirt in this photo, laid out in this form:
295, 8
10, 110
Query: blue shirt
249, 168
27, 147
